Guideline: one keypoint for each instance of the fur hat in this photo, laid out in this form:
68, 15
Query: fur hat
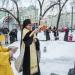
26, 22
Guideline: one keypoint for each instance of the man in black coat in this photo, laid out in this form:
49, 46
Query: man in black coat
47, 35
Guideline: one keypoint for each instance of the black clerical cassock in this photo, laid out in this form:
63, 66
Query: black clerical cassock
30, 59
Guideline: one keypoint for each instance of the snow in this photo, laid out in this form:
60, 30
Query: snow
58, 58
56, 49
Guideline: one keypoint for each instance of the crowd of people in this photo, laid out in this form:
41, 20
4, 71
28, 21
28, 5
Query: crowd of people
55, 32
10, 36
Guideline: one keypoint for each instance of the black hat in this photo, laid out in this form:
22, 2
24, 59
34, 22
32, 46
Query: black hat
26, 22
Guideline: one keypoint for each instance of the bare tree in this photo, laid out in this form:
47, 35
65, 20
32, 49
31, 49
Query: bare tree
41, 4
8, 11
61, 6
15, 1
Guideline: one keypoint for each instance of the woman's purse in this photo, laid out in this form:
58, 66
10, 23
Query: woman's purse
19, 60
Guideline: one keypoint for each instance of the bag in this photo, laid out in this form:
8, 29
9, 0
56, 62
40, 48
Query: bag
19, 62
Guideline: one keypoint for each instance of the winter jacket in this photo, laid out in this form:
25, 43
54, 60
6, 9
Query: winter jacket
5, 67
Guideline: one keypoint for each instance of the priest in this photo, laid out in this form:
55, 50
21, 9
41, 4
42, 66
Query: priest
30, 58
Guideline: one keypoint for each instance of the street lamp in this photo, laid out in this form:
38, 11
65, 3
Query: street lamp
8, 20
72, 6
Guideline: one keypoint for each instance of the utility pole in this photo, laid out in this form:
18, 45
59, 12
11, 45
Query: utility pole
8, 20
72, 20
35, 11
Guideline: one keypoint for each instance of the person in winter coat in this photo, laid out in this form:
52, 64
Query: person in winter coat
56, 34
2, 38
71, 71
12, 36
15, 34
47, 35
5, 64
30, 58
66, 30
5, 32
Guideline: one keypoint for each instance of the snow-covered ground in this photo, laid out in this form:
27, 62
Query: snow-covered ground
58, 57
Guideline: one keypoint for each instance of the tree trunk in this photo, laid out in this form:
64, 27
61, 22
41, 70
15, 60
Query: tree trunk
60, 10
58, 20
40, 17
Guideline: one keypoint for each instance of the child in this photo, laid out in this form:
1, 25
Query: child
5, 55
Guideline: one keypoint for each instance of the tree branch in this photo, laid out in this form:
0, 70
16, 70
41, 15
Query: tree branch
64, 3
17, 8
42, 2
5, 10
59, 4
49, 8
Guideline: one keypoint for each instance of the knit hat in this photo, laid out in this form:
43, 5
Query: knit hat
26, 22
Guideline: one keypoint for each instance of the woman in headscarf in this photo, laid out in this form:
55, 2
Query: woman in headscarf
30, 59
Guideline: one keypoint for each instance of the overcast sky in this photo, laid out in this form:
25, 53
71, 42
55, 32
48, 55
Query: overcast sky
26, 3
